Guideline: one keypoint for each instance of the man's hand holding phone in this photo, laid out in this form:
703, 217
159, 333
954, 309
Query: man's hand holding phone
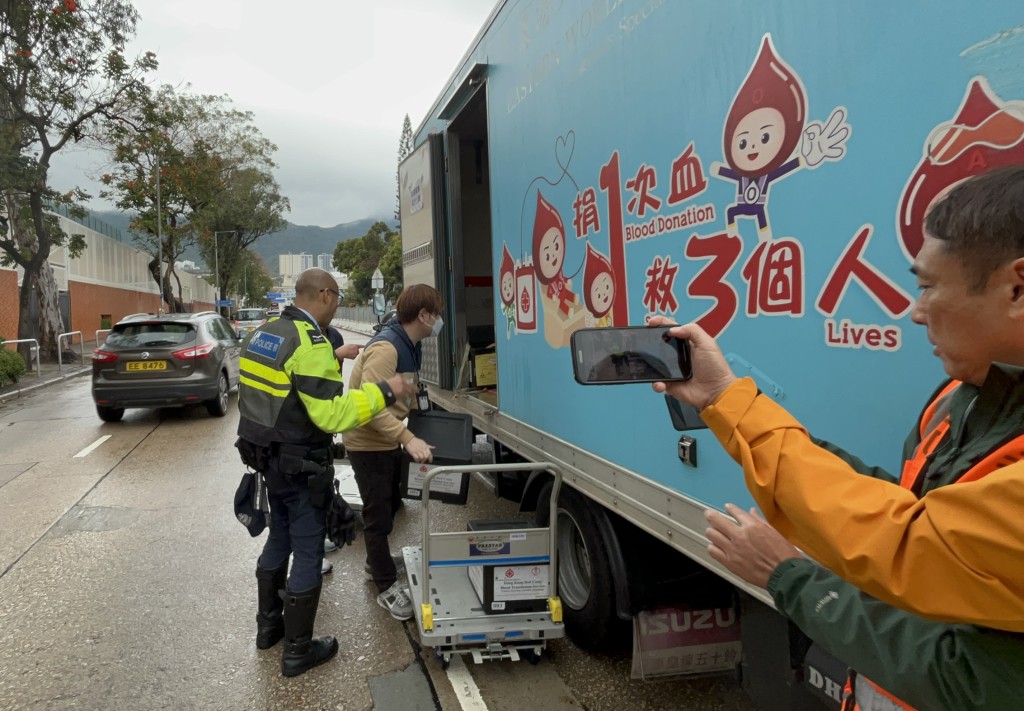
711, 373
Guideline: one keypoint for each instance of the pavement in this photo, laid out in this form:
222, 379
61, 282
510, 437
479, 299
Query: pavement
51, 373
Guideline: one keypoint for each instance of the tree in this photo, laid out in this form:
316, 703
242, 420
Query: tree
249, 207
206, 152
404, 149
251, 282
63, 77
391, 267
359, 257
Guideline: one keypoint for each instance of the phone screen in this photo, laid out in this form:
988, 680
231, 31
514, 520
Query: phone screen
636, 354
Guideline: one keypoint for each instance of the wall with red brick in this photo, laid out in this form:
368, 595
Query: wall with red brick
91, 301
8, 304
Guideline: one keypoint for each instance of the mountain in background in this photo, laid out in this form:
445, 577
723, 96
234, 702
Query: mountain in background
294, 239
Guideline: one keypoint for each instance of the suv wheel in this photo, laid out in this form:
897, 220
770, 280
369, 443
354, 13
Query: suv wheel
110, 414
218, 407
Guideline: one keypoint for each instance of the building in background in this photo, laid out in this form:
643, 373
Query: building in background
324, 262
291, 265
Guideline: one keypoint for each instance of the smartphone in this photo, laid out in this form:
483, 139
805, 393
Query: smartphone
633, 354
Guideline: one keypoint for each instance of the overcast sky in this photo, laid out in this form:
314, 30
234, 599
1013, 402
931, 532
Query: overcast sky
328, 82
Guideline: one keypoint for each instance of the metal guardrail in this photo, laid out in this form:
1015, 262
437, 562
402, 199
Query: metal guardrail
71, 344
98, 332
35, 349
359, 314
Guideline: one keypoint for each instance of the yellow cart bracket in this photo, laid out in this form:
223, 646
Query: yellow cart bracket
555, 608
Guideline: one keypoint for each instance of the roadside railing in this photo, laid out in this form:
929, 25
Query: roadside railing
98, 332
359, 314
71, 345
34, 351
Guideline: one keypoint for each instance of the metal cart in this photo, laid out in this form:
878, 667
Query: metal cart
450, 617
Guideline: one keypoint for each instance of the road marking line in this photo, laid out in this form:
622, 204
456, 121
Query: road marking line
92, 446
465, 688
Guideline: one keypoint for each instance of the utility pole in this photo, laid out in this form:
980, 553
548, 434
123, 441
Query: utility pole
159, 243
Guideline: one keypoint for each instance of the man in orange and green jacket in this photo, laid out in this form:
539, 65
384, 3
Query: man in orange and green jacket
949, 553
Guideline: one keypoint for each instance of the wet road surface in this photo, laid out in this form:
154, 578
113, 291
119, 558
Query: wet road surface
125, 582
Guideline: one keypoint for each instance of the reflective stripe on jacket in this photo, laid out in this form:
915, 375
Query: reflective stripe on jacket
934, 428
290, 390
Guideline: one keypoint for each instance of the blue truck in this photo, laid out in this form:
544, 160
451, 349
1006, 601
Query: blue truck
762, 169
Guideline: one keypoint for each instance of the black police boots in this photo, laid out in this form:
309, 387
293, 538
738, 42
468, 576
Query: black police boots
301, 651
269, 618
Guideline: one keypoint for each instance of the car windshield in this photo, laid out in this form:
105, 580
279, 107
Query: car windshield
251, 314
151, 334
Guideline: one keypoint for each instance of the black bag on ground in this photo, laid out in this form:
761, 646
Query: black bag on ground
340, 520
247, 504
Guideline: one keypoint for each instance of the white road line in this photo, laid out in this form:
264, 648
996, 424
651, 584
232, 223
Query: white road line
465, 687
92, 446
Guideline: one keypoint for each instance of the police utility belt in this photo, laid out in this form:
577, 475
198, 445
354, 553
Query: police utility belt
312, 467
296, 464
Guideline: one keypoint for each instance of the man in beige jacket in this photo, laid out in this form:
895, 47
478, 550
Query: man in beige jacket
375, 449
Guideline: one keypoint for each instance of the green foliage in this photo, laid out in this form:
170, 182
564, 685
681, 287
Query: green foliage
12, 366
404, 149
252, 280
63, 78
216, 186
359, 258
391, 267
250, 206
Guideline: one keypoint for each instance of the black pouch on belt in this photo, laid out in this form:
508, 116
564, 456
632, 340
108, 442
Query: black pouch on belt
290, 461
320, 484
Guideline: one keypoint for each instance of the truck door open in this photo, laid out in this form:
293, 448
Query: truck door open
472, 265
425, 243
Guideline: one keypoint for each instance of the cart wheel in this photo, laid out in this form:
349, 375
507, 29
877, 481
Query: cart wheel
444, 660
531, 655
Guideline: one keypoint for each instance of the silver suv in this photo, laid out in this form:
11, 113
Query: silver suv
170, 360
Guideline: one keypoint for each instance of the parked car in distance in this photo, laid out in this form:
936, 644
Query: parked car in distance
248, 320
170, 360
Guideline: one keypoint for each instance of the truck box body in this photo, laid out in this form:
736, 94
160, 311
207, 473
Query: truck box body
628, 134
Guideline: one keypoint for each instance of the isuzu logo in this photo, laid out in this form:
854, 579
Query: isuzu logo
490, 546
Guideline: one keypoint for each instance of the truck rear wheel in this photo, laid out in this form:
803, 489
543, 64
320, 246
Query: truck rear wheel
584, 573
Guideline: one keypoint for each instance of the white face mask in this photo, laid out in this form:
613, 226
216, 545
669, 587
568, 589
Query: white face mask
436, 328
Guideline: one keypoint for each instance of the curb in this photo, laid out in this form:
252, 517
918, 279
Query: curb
365, 329
24, 390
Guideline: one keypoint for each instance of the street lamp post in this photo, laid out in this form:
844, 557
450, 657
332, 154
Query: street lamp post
216, 264
159, 245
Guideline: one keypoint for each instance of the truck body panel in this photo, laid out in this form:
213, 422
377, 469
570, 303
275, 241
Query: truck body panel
761, 169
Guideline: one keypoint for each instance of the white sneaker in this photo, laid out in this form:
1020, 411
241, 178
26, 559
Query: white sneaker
399, 568
396, 601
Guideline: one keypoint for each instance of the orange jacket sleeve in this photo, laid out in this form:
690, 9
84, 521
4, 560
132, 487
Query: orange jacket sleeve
954, 555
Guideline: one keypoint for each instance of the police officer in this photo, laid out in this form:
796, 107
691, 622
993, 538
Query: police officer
291, 402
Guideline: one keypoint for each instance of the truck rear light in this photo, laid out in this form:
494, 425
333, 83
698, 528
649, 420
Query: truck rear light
194, 352
101, 356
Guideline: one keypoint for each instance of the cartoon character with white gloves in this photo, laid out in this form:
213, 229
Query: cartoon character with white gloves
764, 128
